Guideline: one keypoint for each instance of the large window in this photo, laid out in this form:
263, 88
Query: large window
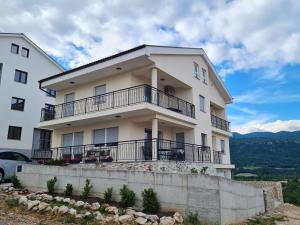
99, 93
202, 103
14, 133
204, 139
17, 103
222, 144
14, 48
25, 52
21, 76
196, 70
106, 135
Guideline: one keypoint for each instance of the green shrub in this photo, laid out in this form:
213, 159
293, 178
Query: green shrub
69, 190
192, 219
291, 191
87, 220
55, 162
194, 171
15, 181
87, 189
150, 201
204, 170
127, 196
108, 195
51, 184
12, 203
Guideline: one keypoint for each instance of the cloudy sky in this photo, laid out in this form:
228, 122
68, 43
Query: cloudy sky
254, 45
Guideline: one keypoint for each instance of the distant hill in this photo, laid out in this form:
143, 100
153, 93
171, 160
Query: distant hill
266, 154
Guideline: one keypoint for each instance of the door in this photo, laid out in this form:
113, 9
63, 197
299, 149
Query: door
77, 151
203, 139
148, 144
180, 140
69, 105
67, 143
99, 93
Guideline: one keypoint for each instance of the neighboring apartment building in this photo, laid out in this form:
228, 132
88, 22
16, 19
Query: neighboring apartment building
147, 103
22, 65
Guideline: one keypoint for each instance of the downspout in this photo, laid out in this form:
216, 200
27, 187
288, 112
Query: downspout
46, 91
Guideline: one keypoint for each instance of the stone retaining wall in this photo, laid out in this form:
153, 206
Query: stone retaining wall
215, 199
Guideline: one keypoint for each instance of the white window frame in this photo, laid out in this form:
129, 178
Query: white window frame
105, 135
204, 75
222, 144
196, 70
202, 109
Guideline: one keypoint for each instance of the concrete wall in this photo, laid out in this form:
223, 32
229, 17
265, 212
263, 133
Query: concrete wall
216, 200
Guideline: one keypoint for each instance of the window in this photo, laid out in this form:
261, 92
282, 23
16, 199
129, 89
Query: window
99, 93
45, 139
50, 93
106, 135
203, 139
17, 103
222, 144
21, 76
14, 133
204, 76
14, 49
196, 70
1, 65
25, 52
202, 103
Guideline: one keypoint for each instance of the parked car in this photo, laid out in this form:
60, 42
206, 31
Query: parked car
9, 160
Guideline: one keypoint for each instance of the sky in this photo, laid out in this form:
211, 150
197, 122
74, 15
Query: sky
254, 45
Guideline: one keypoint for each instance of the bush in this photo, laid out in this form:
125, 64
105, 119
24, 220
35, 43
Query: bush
15, 181
108, 195
69, 190
87, 189
51, 184
55, 162
194, 171
12, 203
291, 192
204, 170
150, 201
127, 196
192, 219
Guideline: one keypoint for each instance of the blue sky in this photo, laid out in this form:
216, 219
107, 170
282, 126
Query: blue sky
254, 45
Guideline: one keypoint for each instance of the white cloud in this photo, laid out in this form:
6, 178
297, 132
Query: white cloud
243, 34
274, 126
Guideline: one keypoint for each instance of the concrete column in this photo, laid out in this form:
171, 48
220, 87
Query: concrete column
154, 138
154, 77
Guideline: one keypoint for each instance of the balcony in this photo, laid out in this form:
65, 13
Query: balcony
116, 99
134, 150
220, 123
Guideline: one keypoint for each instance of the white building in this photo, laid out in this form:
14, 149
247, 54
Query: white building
22, 64
147, 103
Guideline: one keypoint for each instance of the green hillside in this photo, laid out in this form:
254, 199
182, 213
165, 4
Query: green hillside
267, 156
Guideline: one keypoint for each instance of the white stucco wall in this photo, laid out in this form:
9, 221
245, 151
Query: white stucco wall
38, 67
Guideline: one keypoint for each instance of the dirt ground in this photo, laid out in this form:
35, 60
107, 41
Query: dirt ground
290, 212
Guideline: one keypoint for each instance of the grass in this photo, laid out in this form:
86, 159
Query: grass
265, 221
245, 175
12, 203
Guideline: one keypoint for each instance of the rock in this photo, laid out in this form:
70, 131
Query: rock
23, 200
155, 223
87, 214
72, 202
167, 220
55, 209
31, 196
32, 204
72, 211
11, 189
78, 216
63, 209
42, 206
58, 198
79, 204
47, 197
95, 206
98, 215
125, 218
86, 205
178, 217
141, 220
35, 208
112, 209
140, 214
130, 212
152, 218
67, 200
48, 209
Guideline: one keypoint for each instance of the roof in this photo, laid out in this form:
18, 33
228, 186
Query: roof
151, 50
22, 35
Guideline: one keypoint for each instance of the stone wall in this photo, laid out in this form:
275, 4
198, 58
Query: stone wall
272, 193
215, 199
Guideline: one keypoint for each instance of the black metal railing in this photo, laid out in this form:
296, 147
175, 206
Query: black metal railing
220, 123
217, 157
134, 150
125, 97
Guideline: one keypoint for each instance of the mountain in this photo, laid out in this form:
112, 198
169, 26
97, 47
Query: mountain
266, 155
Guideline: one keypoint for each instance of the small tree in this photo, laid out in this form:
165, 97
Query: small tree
87, 189
51, 184
108, 195
127, 196
150, 201
194, 171
15, 181
69, 190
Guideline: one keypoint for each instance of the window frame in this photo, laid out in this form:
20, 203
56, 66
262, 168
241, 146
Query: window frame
12, 137
27, 51
21, 72
204, 75
100, 99
200, 105
222, 145
16, 108
50, 93
196, 70
14, 45
105, 137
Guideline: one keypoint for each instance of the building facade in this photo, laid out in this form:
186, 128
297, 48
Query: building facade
22, 65
147, 103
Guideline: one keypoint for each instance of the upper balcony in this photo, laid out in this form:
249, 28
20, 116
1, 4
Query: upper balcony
220, 123
117, 99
